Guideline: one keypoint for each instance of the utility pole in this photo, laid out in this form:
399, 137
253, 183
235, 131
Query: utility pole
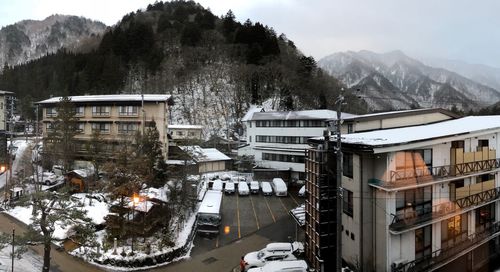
13, 236
338, 183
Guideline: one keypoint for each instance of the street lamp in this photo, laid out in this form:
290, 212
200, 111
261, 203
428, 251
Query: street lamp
135, 201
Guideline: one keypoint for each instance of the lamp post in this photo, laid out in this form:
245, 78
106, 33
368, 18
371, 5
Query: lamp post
135, 201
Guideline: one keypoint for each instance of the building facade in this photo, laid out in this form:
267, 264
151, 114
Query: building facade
185, 133
417, 198
117, 118
278, 140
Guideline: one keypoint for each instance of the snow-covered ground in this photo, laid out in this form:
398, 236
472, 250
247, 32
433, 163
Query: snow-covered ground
29, 262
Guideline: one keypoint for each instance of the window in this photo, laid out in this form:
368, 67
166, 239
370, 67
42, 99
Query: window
101, 127
457, 144
79, 111
485, 177
414, 162
127, 128
180, 133
416, 202
283, 158
80, 127
128, 110
191, 133
485, 215
51, 112
423, 242
347, 164
350, 128
453, 230
481, 144
348, 202
49, 127
458, 183
100, 110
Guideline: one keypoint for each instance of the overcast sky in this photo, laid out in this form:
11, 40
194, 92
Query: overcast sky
452, 29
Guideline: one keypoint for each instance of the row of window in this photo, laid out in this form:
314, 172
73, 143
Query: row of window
123, 128
99, 111
290, 123
283, 157
282, 139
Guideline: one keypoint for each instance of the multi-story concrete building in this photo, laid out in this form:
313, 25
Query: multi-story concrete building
417, 198
185, 133
278, 140
117, 118
7, 108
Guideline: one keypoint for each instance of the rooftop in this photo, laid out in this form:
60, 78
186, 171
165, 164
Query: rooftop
394, 114
405, 135
204, 154
299, 115
111, 98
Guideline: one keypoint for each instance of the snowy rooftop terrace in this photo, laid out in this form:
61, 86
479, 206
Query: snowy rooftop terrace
204, 154
111, 98
298, 115
185, 126
388, 137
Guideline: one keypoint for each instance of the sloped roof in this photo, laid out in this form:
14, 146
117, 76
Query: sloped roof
204, 154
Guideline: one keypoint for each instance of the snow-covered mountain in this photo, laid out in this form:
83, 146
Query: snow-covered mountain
484, 74
395, 81
31, 39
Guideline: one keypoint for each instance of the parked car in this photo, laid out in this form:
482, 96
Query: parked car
267, 190
243, 188
276, 266
226, 177
254, 187
302, 191
273, 252
279, 187
229, 188
217, 185
47, 178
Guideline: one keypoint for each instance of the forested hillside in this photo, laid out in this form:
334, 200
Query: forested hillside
214, 66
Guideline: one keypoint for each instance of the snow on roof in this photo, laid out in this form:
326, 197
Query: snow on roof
400, 112
299, 115
80, 172
211, 202
403, 135
253, 109
110, 98
142, 206
204, 154
185, 126
155, 193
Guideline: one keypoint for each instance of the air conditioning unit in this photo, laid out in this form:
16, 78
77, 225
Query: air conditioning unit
397, 264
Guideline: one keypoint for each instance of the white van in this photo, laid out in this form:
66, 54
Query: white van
217, 185
275, 266
279, 187
243, 188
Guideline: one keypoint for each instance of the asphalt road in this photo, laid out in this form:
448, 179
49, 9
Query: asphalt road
245, 215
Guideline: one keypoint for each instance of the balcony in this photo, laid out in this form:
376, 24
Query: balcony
411, 217
442, 257
421, 175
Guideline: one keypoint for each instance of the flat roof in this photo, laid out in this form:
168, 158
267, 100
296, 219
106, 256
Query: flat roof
211, 202
111, 98
394, 114
299, 115
387, 137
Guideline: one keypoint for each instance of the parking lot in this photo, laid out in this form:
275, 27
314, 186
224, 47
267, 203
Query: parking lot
243, 215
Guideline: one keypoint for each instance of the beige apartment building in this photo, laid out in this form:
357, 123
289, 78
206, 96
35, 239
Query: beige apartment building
116, 117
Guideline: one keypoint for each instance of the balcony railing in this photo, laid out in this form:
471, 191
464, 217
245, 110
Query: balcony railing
412, 217
445, 255
423, 174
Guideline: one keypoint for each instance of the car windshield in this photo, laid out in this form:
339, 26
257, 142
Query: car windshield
260, 254
211, 219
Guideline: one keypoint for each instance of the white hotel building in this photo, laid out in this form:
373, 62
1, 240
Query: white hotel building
419, 198
278, 140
